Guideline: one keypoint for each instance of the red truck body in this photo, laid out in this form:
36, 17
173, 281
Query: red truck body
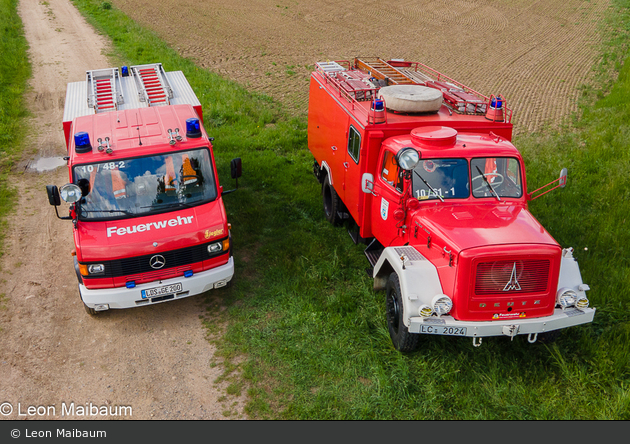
450, 238
150, 224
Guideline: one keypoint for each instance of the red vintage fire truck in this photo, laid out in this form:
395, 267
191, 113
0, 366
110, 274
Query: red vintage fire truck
422, 169
146, 204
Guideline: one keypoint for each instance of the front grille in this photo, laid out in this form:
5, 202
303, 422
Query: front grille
173, 258
507, 277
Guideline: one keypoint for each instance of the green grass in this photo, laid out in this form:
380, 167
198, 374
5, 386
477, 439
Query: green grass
14, 74
303, 319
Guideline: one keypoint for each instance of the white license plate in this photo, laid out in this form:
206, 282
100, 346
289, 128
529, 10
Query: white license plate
161, 291
442, 330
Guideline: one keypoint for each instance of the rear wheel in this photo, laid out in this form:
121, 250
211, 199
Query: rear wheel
332, 203
402, 339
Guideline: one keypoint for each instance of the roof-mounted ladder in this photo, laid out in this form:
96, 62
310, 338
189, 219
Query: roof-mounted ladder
104, 89
153, 87
380, 69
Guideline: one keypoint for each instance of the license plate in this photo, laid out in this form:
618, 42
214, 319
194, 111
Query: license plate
442, 330
161, 291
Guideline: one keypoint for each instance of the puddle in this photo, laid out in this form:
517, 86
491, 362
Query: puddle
46, 164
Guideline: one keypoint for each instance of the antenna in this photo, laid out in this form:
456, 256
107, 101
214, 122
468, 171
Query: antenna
138, 128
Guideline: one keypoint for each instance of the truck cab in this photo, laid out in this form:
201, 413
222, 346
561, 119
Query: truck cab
149, 223
439, 194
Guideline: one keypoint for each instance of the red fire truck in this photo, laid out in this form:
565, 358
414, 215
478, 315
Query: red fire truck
422, 169
146, 205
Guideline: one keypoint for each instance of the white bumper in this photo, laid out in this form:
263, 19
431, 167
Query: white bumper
447, 325
123, 297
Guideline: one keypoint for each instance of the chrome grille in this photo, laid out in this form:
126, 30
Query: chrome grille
510, 277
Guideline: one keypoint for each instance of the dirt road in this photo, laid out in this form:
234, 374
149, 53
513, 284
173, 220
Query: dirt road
153, 362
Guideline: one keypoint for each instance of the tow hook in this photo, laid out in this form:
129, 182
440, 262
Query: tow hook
475, 343
532, 337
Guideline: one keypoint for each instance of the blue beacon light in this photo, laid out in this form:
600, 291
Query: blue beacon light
193, 128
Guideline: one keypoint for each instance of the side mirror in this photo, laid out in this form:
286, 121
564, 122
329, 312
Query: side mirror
367, 183
53, 195
562, 181
236, 168
563, 177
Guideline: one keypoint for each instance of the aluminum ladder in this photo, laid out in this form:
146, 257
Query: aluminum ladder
380, 69
153, 86
104, 89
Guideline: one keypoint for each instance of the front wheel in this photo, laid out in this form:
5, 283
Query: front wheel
332, 203
403, 340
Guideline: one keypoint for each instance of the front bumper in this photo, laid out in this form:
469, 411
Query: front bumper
122, 297
447, 325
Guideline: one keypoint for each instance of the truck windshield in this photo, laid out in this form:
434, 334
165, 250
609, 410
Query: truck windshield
143, 185
441, 179
496, 176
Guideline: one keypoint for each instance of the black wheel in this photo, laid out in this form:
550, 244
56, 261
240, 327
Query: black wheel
402, 339
332, 203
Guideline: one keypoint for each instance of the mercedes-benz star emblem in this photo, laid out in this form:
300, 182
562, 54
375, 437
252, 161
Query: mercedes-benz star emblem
157, 261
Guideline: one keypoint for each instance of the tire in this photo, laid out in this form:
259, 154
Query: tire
88, 310
402, 339
332, 203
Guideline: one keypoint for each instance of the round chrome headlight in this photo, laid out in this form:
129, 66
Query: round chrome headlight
566, 297
214, 248
442, 304
407, 158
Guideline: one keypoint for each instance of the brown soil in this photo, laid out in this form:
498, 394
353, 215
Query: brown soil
535, 53
157, 359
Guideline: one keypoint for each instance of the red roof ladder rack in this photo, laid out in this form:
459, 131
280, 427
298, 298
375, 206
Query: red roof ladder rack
153, 87
104, 90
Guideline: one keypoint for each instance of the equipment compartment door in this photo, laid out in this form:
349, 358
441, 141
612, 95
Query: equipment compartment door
352, 173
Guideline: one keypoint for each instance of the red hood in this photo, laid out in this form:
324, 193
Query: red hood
475, 225
136, 236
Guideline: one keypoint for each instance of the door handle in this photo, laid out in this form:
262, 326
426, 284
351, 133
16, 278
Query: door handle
346, 165
334, 148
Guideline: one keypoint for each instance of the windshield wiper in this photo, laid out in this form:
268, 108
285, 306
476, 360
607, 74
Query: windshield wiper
109, 211
173, 204
485, 179
427, 184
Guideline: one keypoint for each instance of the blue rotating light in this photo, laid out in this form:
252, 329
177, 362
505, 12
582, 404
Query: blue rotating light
496, 102
378, 105
193, 128
125, 71
82, 142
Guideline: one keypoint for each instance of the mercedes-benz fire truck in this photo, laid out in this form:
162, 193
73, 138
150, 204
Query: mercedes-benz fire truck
148, 218
423, 170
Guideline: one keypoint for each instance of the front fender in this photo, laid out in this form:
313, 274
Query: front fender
419, 280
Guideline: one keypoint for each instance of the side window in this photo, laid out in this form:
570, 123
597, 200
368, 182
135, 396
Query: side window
389, 171
354, 144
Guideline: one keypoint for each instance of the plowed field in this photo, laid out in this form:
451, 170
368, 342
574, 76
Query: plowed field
535, 53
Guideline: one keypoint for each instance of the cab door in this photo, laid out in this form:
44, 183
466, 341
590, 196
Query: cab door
387, 198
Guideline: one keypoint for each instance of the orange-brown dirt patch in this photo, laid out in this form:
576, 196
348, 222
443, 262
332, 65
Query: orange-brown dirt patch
535, 53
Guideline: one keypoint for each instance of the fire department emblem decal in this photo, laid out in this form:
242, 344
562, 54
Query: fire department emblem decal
513, 282
384, 208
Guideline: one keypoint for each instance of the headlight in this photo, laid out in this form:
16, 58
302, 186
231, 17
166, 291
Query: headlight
96, 269
566, 298
442, 304
425, 311
407, 158
215, 247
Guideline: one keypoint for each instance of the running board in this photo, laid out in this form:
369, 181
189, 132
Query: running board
373, 252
